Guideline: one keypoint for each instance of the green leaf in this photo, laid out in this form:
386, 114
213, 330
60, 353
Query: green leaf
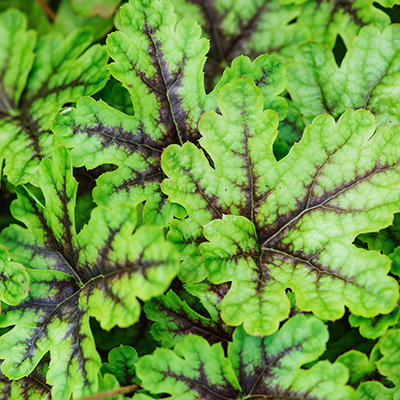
174, 320
14, 280
121, 364
194, 370
267, 367
294, 226
37, 18
35, 82
210, 296
327, 19
388, 366
258, 28
385, 240
100, 272
160, 61
94, 7
365, 79
358, 364
376, 327
33, 387
68, 20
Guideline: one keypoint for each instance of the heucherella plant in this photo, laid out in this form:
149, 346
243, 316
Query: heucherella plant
99, 272
220, 220
160, 62
38, 77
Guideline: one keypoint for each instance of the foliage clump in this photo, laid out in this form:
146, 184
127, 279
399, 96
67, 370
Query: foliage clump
202, 204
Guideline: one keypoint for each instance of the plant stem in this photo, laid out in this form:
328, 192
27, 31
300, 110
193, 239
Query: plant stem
114, 392
50, 13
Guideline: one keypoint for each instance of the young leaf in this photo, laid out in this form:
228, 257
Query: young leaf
317, 85
388, 366
174, 319
121, 364
358, 364
160, 62
35, 82
256, 368
293, 221
376, 327
101, 272
14, 280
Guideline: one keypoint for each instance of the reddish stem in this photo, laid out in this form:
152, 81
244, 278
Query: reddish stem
50, 13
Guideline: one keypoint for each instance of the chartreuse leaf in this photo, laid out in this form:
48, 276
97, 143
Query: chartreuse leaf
32, 387
261, 368
36, 80
260, 27
101, 272
174, 319
376, 327
193, 370
327, 19
160, 61
293, 222
317, 85
359, 365
14, 280
388, 366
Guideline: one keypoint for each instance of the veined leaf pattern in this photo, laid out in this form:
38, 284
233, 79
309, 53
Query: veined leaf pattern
257, 368
317, 85
263, 26
36, 80
100, 272
288, 224
160, 61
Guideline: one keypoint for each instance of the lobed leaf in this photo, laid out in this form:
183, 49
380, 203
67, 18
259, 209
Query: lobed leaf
317, 85
32, 387
259, 368
160, 62
388, 366
358, 364
36, 80
376, 327
100, 272
327, 19
14, 280
292, 227
174, 320
121, 364
261, 27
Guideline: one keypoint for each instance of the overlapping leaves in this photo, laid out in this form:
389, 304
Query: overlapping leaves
388, 366
263, 26
174, 320
36, 80
317, 85
291, 223
160, 62
259, 368
100, 272
326, 19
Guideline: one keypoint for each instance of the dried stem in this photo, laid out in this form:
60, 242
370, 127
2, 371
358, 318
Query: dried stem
114, 392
